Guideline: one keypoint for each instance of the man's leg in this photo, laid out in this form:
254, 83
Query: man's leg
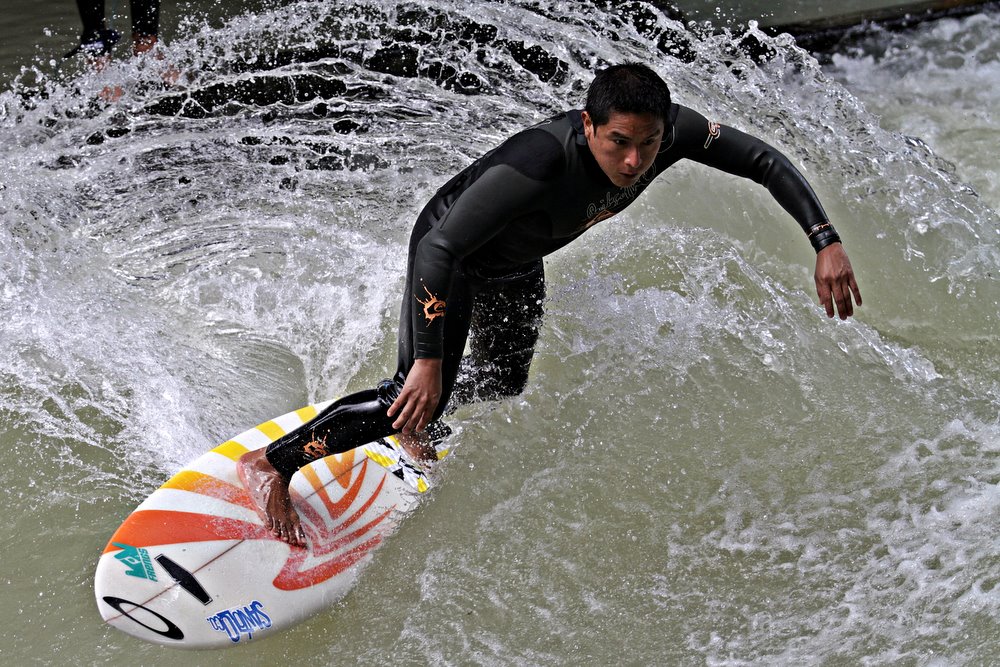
350, 422
145, 25
354, 420
96, 40
506, 319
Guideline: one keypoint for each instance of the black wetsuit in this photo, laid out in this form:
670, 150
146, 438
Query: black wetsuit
475, 259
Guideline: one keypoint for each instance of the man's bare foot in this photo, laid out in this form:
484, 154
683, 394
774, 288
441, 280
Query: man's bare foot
111, 94
418, 447
142, 43
269, 491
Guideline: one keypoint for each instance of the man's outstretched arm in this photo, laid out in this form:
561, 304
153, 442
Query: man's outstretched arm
741, 154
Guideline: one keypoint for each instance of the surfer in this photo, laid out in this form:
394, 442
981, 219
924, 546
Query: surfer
475, 263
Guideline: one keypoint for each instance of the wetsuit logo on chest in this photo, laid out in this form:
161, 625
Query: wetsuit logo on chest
596, 217
615, 201
433, 306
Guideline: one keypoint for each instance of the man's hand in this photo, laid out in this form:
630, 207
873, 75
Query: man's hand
835, 281
419, 397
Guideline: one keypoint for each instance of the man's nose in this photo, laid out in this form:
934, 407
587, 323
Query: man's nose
632, 158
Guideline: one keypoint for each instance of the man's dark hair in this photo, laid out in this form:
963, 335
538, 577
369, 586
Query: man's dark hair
627, 88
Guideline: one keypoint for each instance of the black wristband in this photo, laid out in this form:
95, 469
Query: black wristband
823, 235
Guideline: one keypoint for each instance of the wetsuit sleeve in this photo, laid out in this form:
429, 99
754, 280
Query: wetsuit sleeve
512, 182
741, 154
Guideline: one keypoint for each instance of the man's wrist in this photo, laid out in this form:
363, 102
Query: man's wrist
822, 235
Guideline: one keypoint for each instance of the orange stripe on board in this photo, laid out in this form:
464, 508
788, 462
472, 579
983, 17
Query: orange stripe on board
271, 430
340, 466
207, 485
312, 477
231, 450
147, 528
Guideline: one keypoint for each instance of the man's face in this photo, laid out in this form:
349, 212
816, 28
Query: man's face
626, 145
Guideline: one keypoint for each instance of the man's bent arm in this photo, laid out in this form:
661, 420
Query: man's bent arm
499, 195
741, 154
734, 152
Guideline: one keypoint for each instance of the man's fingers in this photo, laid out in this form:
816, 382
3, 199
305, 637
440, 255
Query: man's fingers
419, 417
399, 403
423, 417
415, 405
838, 299
398, 407
843, 301
835, 283
412, 416
403, 418
825, 297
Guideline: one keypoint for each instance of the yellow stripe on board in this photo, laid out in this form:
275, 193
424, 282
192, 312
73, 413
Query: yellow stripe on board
271, 430
231, 450
185, 480
383, 461
306, 413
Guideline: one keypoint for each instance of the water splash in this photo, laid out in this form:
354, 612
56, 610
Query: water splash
703, 467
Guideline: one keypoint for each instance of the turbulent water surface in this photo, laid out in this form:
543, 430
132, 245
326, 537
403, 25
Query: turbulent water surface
704, 469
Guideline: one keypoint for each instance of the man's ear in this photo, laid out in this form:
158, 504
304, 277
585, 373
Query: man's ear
588, 125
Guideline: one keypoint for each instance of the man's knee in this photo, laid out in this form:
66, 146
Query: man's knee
505, 378
514, 382
492, 381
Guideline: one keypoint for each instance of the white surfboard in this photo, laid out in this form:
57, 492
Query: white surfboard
194, 567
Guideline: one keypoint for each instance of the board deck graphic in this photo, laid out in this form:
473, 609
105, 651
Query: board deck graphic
194, 567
